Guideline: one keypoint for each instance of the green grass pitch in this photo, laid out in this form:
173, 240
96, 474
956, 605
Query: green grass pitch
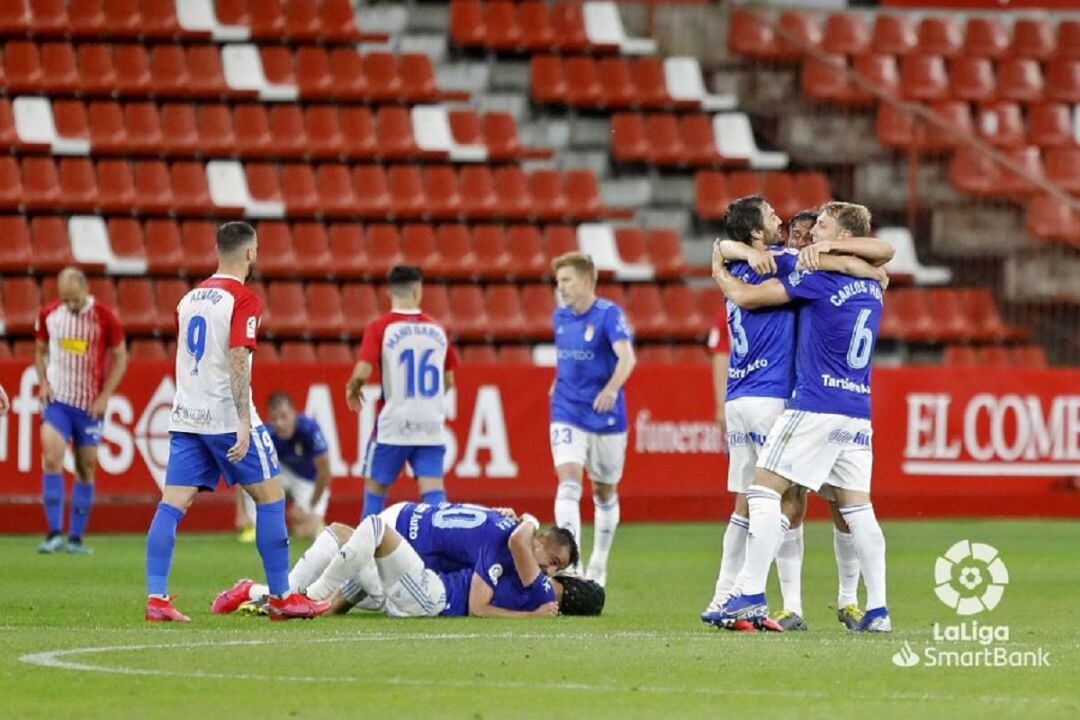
648, 656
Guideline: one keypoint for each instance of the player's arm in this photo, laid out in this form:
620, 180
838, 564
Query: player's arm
449, 380
355, 386
872, 250
41, 360
766, 294
118, 359
854, 266
240, 387
322, 477
760, 261
521, 549
481, 595
720, 362
627, 360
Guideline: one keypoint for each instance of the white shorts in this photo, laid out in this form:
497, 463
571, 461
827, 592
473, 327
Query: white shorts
817, 449
602, 454
749, 420
297, 489
411, 589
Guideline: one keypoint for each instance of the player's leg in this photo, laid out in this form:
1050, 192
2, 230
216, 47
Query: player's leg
382, 465
245, 517
426, 462
82, 497
356, 560
305, 519
789, 559
605, 460
847, 568
55, 433
733, 552
411, 589
568, 453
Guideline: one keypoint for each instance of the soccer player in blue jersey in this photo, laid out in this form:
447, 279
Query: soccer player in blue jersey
305, 466
822, 441
760, 380
588, 404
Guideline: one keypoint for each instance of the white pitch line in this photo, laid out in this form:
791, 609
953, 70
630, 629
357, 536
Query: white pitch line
52, 659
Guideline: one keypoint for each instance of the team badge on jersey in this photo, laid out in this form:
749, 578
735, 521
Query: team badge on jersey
495, 572
252, 326
590, 331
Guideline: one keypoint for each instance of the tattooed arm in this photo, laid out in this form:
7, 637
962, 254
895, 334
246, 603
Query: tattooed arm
240, 385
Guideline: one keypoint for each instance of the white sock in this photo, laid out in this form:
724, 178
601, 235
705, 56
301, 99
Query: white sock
314, 560
766, 534
731, 561
847, 568
258, 592
789, 569
349, 563
568, 508
870, 545
605, 521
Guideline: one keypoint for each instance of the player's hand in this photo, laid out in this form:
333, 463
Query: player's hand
5, 404
721, 418
46, 394
97, 410
550, 609
507, 513
239, 451
354, 395
605, 400
883, 278
762, 262
809, 255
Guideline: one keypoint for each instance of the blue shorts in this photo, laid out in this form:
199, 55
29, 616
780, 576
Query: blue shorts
73, 424
199, 460
383, 463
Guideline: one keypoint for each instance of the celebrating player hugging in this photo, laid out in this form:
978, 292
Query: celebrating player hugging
822, 439
588, 404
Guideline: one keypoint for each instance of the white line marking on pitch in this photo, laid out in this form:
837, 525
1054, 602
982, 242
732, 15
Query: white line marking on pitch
52, 659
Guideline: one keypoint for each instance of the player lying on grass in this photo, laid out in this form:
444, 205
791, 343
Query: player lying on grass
760, 380
461, 560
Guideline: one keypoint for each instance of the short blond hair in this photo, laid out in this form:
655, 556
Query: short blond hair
849, 216
580, 261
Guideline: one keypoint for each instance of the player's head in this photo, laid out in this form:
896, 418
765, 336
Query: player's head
555, 549
578, 596
405, 283
281, 412
753, 221
72, 288
841, 220
238, 246
798, 229
575, 277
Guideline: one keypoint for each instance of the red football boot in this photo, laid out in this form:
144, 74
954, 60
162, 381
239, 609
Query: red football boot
742, 626
769, 625
162, 610
296, 605
228, 600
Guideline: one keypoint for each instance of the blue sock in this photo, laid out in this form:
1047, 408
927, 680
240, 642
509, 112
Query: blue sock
52, 496
82, 498
272, 540
434, 497
160, 542
373, 504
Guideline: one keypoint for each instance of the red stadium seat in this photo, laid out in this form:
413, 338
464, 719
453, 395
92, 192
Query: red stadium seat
372, 190
506, 320
1063, 167
15, 251
348, 76
1029, 356
329, 353
680, 307
315, 78
665, 253
470, 320
358, 127
41, 183
526, 249
143, 128
311, 247
126, 238
645, 308
51, 247
583, 195
694, 353
503, 33
813, 189
384, 81
972, 78
453, 244
206, 74
665, 142
144, 349
133, 72
650, 83
537, 34
947, 314
395, 134
972, 172
107, 132
629, 141
515, 355
1050, 219
1020, 80
78, 185
276, 257
443, 201
617, 82
711, 196
699, 140
939, 36
539, 304
893, 35
436, 302
267, 351
298, 351
465, 127
907, 316
168, 69
97, 73
59, 71
199, 241
153, 187
800, 32
252, 126
22, 67
383, 249
336, 195
467, 23
982, 312
583, 87
324, 135
993, 356
568, 26
190, 191
11, 191
20, 300
325, 311
477, 186
1050, 125
163, 249
1032, 38
822, 82
479, 355
418, 78
779, 189
846, 34
407, 199
116, 186
363, 307
418, 248
348, 250
558, 240
1002, 124
1068, 39
287, 131
655, 354
1063, 80
630, 245
612, 292
48, 18
511, 187
214, 127
922, 77
880, 71
750, 33
288, 309
494, 257
960, 356
104, 291
8, 137
137, 307
985, 37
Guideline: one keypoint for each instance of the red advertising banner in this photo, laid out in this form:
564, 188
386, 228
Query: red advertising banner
946, 443
1004, 5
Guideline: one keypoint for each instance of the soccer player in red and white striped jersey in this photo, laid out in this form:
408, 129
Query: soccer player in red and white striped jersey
80, 361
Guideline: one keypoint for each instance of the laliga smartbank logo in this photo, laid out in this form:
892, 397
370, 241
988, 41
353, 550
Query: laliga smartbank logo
970, 578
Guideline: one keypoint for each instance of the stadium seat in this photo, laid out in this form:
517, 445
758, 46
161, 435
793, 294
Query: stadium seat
348, 250
711, 195
1032, 38
383, 249
1050, 125
324, 134
116, 186
311, 248
823, 82
103, 290
699, 142
1068, 39
750, 33
516, 354
1050, 219
436, 303
907, 316
198, 238
11, 191
127, 244
78, 185
394, 134
107, 131
582, 192
470, 320
645, 308
538, 302
939, 35
335, 193
845, 34
493, 252
526, 257
614, 293
146, 135
22, 67
363, 307
20, 299
617, 82
252, 126
163, 249
50, 244
372, 190
1063, 167
268, 352
334, 353
276, 257
547, 84
97, 70
190, 191
15, 251
298, 351
972, 79
384, 83
506, 320
680, 307
982, 312
137, 307
960, 356
1063, 80
559, 240
1029, 356
9, 138
144, 349
568, 26
629, 141
993, 356
40, 184
479, 355
513, 199
1014, 184
477, 187
48, 18
950, 322
407, 199
693, 353
418, 248
800, 32
655, 354
893, 34
1020, 80
537, 34
923, 77
1001, 124
813, 189
288, 309
440, 189
59, 68
325, 311
650, 83
503, 34
665, 253
453, 246
499, 134
974, 173
287, 132
467, 26
985, 37
583, 87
